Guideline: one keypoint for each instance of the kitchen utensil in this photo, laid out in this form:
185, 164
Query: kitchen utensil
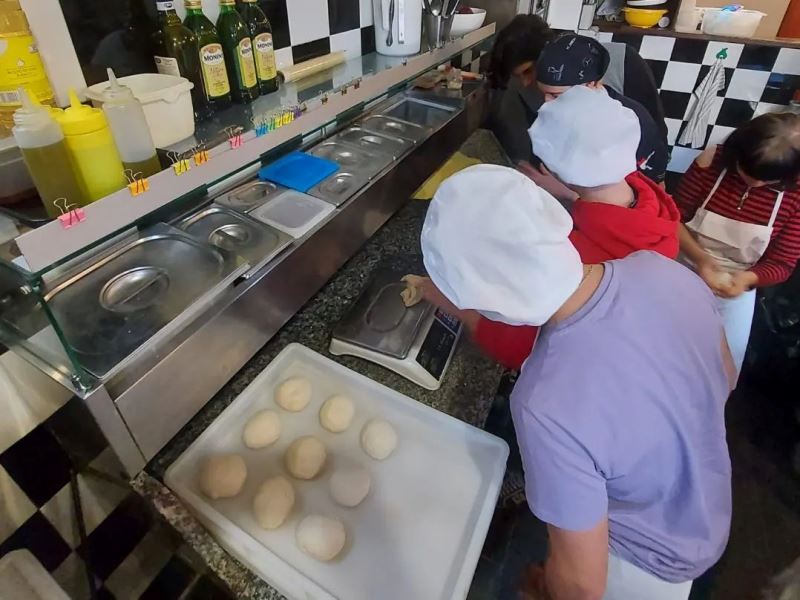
312, 67
391, 23
401, 21
427, 5
298, 171
437, 29
454, 4
444, 469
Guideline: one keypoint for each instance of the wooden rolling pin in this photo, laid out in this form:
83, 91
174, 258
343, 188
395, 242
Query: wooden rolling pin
311, 67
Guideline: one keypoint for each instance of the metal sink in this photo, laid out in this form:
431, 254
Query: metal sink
420, 112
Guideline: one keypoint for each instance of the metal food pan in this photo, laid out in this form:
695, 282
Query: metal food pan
339, 187
393, 127
250, 195
370, 141
352, 159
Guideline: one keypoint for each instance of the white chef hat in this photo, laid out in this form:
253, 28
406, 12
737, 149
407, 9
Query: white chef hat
493, 241
586, 138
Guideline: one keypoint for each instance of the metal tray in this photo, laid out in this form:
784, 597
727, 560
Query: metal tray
373, 142
353, 160
339, 187
394, 127
379, 320
111, 308
250, 195
420, 112
256, 242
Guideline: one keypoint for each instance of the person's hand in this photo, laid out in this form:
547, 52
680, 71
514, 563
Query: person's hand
432, 294
714, 275
740, 282
545, 180
533, 586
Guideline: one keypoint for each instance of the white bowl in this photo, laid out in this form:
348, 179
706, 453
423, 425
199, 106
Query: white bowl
463, 24
643, 3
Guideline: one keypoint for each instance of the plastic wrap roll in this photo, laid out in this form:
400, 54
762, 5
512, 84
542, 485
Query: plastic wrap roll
311, 67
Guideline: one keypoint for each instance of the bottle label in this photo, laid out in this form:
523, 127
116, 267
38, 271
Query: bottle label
215, 78
167, 66
247, 63
165, 6
265, 56
21, 66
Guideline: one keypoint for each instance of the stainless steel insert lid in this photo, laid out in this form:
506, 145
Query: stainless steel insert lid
379, 321
114, 305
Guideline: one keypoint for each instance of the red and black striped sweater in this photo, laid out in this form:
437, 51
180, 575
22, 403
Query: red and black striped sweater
783, 252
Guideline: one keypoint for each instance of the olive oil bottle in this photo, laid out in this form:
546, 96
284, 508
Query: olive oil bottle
216, 87
261, 33
238, 49
177, 53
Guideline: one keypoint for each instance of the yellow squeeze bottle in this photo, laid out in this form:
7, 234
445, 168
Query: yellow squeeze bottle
92, 150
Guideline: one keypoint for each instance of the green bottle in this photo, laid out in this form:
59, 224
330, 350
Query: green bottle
261, 34
238, 49
216, 87
177, 53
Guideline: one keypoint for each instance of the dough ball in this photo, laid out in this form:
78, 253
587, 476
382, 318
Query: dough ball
305, 457
262, 429
223, 476
724, 279
294, 394
350, 486
378, 439
412, 294
336, 413
321, 537
273, 502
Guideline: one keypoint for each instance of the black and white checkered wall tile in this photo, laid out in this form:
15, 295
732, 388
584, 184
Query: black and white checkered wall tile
758, 79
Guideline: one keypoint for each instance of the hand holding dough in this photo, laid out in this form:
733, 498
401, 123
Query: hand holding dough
336, 413
412, 294
223, 476
321, 537
350, 486
378, 439
305, 457
294, 394
262, 429
273, 502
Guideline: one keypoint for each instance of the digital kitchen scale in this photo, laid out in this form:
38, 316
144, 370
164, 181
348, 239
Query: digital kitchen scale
416, 342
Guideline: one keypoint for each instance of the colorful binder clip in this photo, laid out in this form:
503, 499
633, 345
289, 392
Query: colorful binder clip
234, 137
260, 124
180, 164
71, 214
136, 183
200, 154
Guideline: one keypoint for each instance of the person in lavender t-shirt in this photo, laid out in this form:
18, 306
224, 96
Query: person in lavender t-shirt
619, 411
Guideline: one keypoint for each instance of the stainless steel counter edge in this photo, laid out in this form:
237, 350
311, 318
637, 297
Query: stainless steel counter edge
140, 410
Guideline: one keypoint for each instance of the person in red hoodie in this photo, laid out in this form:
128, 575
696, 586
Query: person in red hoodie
588, 141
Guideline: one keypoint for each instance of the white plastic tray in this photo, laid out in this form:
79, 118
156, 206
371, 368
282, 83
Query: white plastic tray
419, 533
293, 212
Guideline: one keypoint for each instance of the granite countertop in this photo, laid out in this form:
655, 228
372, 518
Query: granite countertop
466, 393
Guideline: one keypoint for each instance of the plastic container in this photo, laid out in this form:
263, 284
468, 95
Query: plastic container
17, 182
416, 536
129, 127
298, 171
47, 157
92, 150
166, 101
293, 213
643, 17
403, 18
738, 23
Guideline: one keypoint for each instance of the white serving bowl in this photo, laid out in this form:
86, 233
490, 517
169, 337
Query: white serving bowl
463, 24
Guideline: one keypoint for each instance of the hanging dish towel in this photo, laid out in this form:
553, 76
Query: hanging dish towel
694, 134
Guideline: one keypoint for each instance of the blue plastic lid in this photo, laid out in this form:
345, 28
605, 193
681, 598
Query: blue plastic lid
298, 171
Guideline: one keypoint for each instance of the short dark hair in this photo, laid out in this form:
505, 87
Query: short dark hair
766, 148
519, 42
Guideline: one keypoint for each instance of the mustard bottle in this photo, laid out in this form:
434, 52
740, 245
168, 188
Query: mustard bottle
91, 147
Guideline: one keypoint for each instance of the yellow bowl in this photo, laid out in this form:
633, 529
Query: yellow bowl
643, 17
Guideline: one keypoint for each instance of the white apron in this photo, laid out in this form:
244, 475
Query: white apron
628, 582
736, 246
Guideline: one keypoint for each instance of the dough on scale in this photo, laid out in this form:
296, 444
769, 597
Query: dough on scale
273, 502
378, 439
321, 537
412, 294
262, 429
223, 476
305, 457
294, 394
337, 413
350, 486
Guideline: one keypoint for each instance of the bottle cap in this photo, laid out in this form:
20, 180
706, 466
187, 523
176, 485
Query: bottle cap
193, 3
116, 92
32, 114
227, 2
78, 118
